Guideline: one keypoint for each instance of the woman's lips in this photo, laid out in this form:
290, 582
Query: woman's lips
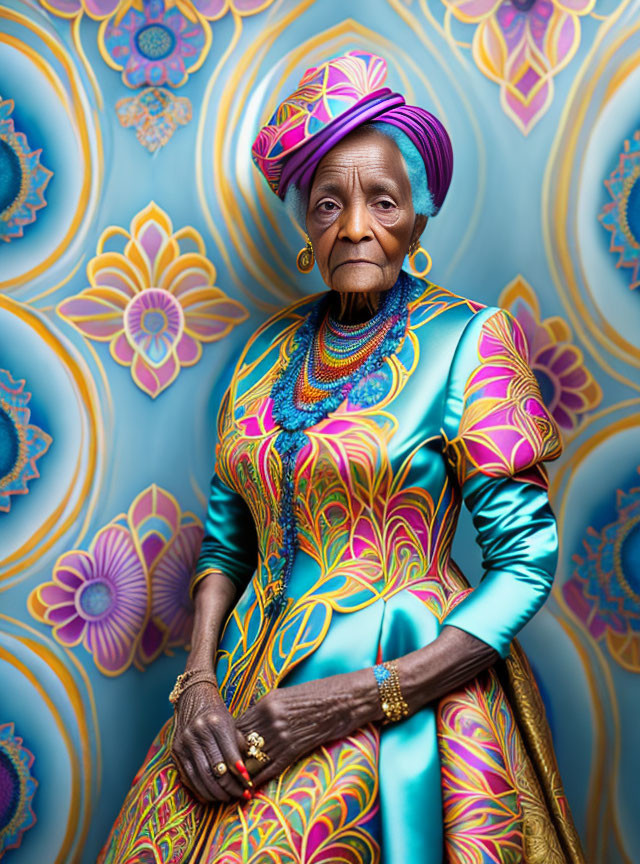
354, 261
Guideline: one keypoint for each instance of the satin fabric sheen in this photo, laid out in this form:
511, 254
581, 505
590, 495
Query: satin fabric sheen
378, 492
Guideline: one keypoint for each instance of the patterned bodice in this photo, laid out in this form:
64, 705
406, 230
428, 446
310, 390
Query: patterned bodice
376, 487
371, 488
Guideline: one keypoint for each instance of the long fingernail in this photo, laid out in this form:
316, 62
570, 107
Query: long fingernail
246, 794
242, 768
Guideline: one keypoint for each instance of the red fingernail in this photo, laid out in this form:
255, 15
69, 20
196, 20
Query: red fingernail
246, 794
242, 768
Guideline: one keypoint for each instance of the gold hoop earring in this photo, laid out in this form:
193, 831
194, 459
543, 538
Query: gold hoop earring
412, 261
306, 258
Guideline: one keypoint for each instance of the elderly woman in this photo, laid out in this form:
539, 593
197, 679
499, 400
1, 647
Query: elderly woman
346, 697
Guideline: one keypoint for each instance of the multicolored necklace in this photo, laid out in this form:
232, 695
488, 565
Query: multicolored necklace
335, 354
327, 361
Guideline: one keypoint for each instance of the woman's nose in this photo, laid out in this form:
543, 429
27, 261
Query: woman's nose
355, 225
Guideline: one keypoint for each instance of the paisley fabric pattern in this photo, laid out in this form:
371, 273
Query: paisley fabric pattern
371, 578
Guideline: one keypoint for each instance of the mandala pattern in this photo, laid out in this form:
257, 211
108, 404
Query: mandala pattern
126, 599
567, 387
155, 113
604, 589
155, 44
505, 427
522, 45
17, 788
621, 216
154, 304
21, 443
22, 178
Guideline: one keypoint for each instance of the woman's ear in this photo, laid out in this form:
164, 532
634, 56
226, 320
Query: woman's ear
418, 227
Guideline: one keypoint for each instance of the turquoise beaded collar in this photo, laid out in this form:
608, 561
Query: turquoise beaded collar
294, 417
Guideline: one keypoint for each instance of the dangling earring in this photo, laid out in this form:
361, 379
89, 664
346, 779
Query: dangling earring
414, 250
305, 259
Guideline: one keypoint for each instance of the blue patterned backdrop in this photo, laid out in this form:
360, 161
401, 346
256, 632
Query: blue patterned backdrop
139, 249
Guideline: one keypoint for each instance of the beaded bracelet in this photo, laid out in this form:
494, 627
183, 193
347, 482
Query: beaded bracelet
391, 699
187, 679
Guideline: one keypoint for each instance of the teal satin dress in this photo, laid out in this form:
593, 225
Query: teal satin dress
452, 414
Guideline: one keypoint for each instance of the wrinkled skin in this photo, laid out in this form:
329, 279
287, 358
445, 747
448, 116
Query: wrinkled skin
361, 223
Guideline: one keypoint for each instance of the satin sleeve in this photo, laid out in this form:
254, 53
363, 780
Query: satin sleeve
498, 433
229, 545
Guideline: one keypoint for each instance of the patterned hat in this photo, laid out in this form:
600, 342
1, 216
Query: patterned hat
333, 99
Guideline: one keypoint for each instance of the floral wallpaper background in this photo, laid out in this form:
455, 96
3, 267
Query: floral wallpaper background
138, 250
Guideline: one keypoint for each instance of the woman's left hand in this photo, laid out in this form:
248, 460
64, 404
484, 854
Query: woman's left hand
295, 720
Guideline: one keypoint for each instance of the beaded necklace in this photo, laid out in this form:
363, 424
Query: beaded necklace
327, 361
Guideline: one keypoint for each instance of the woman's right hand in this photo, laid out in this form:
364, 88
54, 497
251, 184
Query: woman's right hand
206, 735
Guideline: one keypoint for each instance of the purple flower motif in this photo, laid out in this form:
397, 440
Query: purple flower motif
21, 443
621, 216
24, 179
17, 788
171, 616
153, 45
604, 589
156, 114
99, 598
126, 599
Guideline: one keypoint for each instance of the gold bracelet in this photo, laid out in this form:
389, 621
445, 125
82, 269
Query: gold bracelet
187, 679
391, 699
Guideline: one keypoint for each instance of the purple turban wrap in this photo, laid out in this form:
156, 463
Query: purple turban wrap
331, 101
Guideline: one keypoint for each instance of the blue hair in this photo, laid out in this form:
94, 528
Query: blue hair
420, 194
296, 202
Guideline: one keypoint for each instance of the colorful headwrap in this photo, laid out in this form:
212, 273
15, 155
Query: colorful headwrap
332, 100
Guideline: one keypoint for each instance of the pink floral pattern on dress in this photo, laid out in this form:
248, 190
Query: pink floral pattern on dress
567, 387
126, 598
505, 429
153, 303
522, 45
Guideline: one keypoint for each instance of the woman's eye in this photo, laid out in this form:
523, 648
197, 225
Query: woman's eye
385, 205
327, 206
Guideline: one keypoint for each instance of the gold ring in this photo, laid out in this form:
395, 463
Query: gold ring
220, 769
256, 743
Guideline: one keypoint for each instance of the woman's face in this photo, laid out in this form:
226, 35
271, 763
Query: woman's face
360, 216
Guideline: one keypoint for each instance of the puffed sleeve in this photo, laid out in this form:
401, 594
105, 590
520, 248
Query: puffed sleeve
498, 433
229, 545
